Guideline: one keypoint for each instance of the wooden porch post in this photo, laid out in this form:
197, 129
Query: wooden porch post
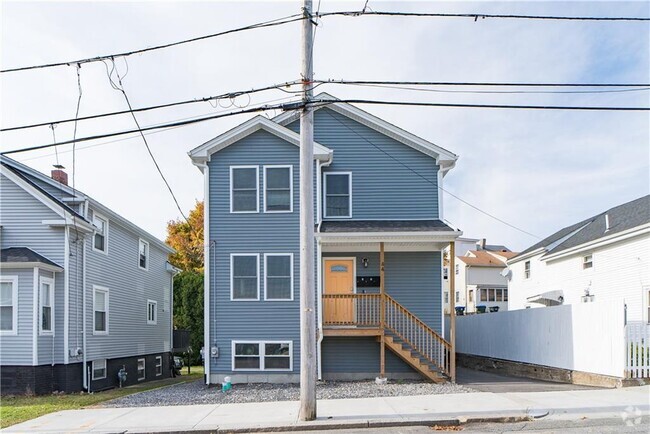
452, 310
382, 313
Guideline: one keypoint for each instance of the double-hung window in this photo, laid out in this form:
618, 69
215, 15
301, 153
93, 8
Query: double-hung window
244, 193
527, 269
278, 188
100, 310
47, 306
159, 367
278, 276
152, 312
143, 254
8, 305
262, 356
587, 262
244, 276
99, 369
338, 194
100, 239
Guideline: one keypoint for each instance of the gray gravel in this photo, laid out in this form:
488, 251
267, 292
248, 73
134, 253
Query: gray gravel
196, 392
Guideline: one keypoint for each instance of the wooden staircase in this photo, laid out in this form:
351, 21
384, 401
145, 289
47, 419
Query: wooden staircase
405, 352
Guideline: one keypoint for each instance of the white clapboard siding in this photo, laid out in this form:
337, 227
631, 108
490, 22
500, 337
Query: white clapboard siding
637, 348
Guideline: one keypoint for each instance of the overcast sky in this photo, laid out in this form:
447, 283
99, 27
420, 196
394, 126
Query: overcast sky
539, 170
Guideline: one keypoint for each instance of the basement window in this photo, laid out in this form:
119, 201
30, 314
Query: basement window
141, 367
159, 368
262, 356
99, 369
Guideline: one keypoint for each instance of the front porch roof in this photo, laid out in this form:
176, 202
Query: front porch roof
400, 231
24, 257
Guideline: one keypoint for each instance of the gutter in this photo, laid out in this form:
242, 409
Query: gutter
83, 314
319, 263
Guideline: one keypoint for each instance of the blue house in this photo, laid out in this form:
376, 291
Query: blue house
84, 292
379, 240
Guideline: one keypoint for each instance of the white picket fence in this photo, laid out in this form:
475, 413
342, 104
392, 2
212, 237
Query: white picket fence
637, 349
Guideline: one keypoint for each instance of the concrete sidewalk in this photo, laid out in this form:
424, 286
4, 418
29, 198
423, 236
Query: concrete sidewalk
349, 413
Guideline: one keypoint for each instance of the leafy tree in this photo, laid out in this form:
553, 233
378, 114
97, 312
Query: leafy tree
188, 309
186, 237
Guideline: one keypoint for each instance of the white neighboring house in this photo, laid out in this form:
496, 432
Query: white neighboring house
479, 281
604, 258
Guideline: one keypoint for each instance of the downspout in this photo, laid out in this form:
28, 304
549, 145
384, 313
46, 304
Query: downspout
66, 296
83, 312
207, 347
319, 264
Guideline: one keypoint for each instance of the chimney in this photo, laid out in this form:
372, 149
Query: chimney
482, 244
59, 175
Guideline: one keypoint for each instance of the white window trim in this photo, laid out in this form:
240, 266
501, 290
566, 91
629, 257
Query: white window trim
159, 364
147, 250
144, 369
591, 261
14, 304
325, 175
261, 355
106, 224
92, 369
527, 273
105, 290
50, 281
290, 255
257, 189
232, 277
285, 166
155, 312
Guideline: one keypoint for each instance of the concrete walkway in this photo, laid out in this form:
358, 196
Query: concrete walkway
498, 383
349, 413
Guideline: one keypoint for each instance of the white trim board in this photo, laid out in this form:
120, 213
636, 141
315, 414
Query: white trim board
202, 154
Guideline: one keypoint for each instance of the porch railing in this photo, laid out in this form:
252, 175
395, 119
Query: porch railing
352, 310
422, 338
384, 312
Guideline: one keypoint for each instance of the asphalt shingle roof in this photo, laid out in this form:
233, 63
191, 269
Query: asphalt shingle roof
384, 226
24, 254
621, 218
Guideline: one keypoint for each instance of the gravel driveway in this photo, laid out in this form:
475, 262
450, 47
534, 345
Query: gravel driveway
196, 392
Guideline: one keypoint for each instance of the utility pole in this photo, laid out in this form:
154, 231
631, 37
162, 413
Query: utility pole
307, 291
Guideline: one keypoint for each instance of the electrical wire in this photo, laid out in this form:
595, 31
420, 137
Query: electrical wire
282, 87
431, 182
271, 23
144, 139
263, 108
318, 103
476, 16
300, 17
208, 99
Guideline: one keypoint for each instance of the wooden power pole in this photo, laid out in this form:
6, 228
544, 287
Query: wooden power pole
452, 310
307, 292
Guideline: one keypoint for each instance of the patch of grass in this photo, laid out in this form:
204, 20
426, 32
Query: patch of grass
16, 409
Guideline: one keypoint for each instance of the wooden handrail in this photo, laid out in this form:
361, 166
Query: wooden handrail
418, 320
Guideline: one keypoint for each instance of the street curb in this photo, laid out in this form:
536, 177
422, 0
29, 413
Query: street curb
319, 426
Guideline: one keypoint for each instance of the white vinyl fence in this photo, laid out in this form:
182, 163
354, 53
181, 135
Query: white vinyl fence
637, 350
587, 337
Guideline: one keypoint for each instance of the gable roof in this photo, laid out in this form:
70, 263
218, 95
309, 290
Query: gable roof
481, 258
201, 154
445, 158
24, 173
621, 218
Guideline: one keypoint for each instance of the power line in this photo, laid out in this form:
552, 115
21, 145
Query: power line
285, 106
144, 139
431, 182
627, 87
230, 95
300, 17
271, 23
476, 16
318, 103
479, 83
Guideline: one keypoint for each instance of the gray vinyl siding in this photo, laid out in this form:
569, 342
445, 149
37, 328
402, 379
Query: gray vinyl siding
129, 288
257, 233
382, 188
17, 349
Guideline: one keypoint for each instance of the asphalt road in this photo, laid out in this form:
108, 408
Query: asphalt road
597, 426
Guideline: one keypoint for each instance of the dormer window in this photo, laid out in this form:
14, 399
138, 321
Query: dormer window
101, 233
338, 195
